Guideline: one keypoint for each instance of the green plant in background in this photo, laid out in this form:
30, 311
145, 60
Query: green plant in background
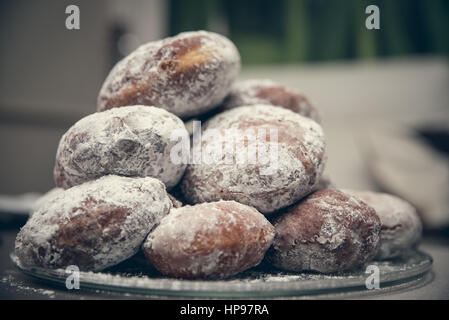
436, 15
296, 31
288, 31
365, 39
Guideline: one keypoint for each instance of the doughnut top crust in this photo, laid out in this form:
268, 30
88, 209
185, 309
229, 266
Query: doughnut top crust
209, 240
94, 225
187, 75
129, 141
45, 198
267, 186
401, 225
265, 91
329, 231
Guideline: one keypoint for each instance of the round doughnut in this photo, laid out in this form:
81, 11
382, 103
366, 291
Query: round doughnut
209, 240
187, 75
281, 171
131, 141
401, 225
94, 225
329, 231
265, 91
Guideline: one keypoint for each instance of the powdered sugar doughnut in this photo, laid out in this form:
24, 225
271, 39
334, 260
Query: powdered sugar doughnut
209, 240
329, 231
264, 91
291, 168
187, 75
401, 225
94, 225
130, 141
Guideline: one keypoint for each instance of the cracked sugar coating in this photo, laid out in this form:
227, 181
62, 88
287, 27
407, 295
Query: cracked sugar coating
401, 225
327, 232
187, 75
94, 225
265, 91
291, 169
209, 240
131, 141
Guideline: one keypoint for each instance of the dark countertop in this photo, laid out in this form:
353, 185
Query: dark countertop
16, 285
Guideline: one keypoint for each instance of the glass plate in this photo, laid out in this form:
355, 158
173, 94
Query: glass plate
136, 276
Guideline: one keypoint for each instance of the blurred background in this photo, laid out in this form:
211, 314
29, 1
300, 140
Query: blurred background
284, 31
383, 94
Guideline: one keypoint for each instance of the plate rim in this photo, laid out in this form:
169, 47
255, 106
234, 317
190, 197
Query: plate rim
227, 288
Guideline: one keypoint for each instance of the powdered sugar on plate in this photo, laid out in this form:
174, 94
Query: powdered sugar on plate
252, 283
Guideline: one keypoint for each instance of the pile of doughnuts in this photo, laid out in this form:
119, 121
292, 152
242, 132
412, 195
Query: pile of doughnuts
125, 182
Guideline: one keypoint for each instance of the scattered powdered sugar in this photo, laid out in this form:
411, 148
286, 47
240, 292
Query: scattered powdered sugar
401, 225
71, 227
13, 283
187, 75
298, 162
129, 141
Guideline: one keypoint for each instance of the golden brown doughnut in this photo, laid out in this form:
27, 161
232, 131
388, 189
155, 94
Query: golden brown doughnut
209, 240
298, 160
94, 225
327, 232
131, 141
187, 75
